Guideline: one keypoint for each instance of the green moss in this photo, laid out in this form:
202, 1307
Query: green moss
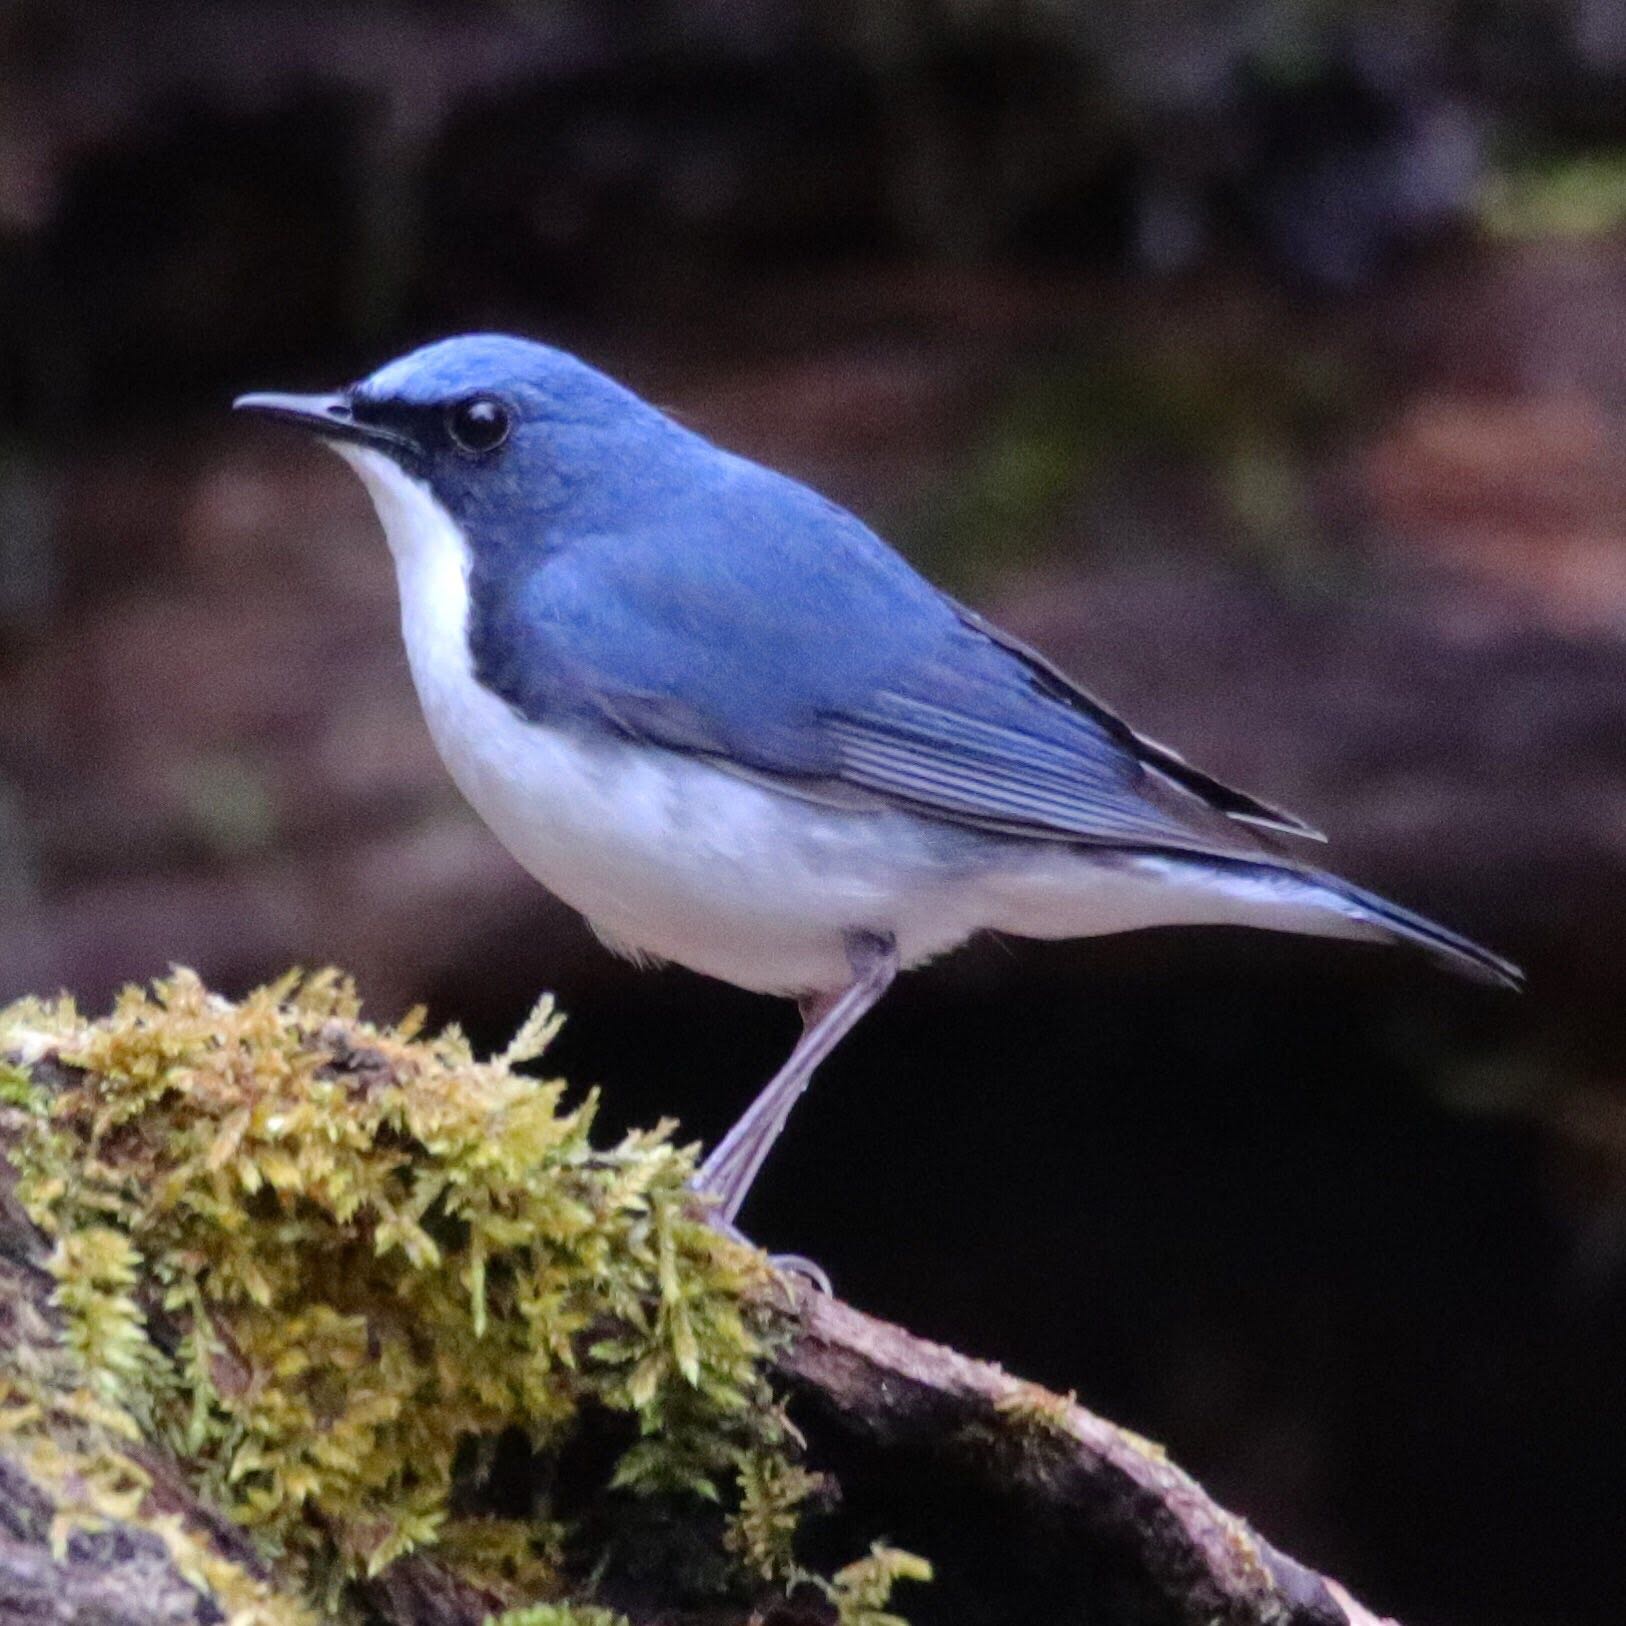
1034, 1413
558, 1614
317, 1258
17, 1088
862, 1591
81, 1452
763, 1530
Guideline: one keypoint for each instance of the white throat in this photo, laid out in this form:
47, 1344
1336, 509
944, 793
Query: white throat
432, 569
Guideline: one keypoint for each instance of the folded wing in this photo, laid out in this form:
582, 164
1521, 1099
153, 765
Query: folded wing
787, 643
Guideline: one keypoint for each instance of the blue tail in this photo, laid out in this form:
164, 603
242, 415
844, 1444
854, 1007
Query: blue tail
1449, 948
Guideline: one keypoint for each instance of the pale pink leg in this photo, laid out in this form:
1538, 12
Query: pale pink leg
727, 1174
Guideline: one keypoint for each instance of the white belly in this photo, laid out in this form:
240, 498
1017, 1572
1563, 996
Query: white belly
668, 856
672, 858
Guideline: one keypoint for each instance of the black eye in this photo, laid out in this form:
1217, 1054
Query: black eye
479, 424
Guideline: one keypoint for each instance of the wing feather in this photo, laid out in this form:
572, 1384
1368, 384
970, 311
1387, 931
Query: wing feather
958, 766
1159, 759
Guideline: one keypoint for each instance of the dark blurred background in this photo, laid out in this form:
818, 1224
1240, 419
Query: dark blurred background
1263, 360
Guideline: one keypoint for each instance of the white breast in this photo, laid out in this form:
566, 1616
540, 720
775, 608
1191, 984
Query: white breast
669, 856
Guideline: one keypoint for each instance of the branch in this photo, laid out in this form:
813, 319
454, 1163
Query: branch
1083, 1486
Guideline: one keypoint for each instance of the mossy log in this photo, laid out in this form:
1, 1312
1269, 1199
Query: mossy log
212, 1406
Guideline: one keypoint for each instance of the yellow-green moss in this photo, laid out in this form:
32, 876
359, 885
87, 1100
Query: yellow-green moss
858, 1595
316, 1258
16, 1088
762, 1532
862, 1590
558, 1614
1034, 1412
80, 1451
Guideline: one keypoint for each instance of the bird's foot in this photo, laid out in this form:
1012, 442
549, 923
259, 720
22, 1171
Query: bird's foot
788, 1264
810, 1270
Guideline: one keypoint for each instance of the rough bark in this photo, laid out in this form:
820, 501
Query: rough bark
1082, 1487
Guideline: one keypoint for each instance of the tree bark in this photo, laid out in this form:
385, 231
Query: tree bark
1091, 1498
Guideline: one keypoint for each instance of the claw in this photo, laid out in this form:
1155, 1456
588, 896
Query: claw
797, 1264
787, 1264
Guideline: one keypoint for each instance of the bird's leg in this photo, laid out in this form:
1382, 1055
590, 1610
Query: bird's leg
727, 1174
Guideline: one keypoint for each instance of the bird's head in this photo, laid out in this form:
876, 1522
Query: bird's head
500, 432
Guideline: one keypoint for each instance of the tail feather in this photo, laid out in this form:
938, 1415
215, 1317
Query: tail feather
1461, 954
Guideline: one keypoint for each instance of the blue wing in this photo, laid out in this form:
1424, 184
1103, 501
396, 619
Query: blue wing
751, 621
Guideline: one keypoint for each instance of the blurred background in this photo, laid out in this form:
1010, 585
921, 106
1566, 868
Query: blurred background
1264, 361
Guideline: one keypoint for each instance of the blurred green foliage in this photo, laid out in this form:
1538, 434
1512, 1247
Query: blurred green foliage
1568, 195
1238, 419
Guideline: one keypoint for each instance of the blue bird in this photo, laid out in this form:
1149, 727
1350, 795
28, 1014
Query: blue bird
717, 715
